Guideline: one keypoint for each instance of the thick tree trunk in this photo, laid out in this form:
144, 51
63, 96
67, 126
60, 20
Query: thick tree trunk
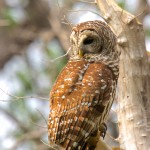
133, 93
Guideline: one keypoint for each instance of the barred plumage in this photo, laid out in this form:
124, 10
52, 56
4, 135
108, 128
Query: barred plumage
83, 93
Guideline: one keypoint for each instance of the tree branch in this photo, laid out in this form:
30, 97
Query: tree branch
134, 78
142, 9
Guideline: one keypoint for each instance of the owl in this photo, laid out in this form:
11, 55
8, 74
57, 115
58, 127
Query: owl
83, 93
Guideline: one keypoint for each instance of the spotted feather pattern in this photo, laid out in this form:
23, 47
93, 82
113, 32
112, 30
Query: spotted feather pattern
83, 93
78, 99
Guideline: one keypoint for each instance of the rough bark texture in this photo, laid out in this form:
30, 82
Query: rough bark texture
134, 81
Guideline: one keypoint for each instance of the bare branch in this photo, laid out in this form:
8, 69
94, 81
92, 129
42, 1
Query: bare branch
18, 98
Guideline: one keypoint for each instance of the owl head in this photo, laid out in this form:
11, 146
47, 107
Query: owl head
92, 38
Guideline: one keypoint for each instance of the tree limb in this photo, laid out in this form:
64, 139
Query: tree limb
134, 79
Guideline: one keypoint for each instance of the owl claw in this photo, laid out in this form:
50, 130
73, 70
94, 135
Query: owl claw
103, 129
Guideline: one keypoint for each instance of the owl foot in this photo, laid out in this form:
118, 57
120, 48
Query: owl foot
103, 129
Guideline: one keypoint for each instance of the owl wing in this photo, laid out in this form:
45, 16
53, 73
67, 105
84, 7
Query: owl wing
79, 97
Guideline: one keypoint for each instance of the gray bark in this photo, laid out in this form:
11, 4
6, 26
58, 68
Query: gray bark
133, 93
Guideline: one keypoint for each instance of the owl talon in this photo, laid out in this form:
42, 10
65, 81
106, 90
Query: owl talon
103, 129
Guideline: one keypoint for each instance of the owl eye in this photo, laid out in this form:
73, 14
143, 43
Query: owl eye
88, 41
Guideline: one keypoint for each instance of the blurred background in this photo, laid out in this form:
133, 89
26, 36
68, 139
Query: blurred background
32, 34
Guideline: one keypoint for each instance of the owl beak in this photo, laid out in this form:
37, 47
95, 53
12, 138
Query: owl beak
81, 53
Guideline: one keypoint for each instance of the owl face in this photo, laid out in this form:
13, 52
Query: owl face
85, 42
92, 38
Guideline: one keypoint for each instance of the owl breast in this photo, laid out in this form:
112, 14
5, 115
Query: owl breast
78, 99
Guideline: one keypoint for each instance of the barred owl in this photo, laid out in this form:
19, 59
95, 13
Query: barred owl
83, 93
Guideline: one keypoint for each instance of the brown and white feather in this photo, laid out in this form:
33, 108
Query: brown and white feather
83, 93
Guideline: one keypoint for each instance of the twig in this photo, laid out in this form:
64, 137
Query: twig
42, 115
146, 5
17, 98
48, 145
67, 22
52, 61
40, 126
84, 10
86, 2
